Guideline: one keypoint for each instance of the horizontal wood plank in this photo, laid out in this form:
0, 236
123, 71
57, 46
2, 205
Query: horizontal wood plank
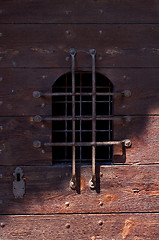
119, 189
117, 45
16, 143
17, 86
102, 11
91, 226
18, 135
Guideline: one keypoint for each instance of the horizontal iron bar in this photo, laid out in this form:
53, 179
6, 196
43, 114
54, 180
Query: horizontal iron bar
37, 94
70, 131
125, 141
38, 118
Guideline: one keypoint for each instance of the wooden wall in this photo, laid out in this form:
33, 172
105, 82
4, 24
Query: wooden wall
35, 38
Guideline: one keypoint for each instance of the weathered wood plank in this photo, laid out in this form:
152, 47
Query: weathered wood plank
119, 189
17, 86
70, 227
117, 45
18, 134
16, 143
103, 11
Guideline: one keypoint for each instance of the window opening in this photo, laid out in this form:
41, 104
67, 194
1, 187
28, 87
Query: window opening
62, 107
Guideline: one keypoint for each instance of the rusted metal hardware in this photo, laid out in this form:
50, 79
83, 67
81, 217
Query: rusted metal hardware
126, 142
18, 183
39, 118
92, 182
125, 93
73, 180
37, 144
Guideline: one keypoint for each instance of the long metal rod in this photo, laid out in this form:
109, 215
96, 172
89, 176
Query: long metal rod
80, 115
73, 180
93, 179
38, 118
38, 94
87, 143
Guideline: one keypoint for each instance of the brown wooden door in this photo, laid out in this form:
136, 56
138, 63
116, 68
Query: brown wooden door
36, 37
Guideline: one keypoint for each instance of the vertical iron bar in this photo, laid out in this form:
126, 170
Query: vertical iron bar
92, 182
73, 180
109, 121
66, 116
80, 115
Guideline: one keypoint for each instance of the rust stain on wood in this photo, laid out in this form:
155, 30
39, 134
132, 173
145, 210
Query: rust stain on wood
127, 228
109, 198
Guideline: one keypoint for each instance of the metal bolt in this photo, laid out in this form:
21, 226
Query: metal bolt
128, 119
43, 76
92, 184
42, 126
68, 12
43, 105
1, 78
126, 93
36, 94
127, 143
37, 118
100, 31
92, 51
43, 151
37, 144
1, 128
67, 32
67, 204
73, 51
67, 58
2, 225
1, 102
101, 11
101, 204
100, 222
73, 184
67, 225
100, 58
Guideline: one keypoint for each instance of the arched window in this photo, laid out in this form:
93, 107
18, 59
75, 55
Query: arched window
62, 112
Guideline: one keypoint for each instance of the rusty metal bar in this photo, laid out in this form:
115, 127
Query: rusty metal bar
126, 142
73, 180
92, 181
38, 118
80, 115
125, 93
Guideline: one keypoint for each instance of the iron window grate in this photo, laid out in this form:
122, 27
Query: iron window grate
72, 106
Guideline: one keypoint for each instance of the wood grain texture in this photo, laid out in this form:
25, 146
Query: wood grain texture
119, 189
18, 134
47, 45
17, 138
102, 11
118, 227
17, 86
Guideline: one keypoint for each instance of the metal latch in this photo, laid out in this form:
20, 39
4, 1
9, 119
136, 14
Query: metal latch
18, 183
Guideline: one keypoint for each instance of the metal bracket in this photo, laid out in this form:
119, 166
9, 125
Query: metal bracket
18, 183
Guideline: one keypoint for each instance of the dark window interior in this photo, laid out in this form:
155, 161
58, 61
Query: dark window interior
62, 108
